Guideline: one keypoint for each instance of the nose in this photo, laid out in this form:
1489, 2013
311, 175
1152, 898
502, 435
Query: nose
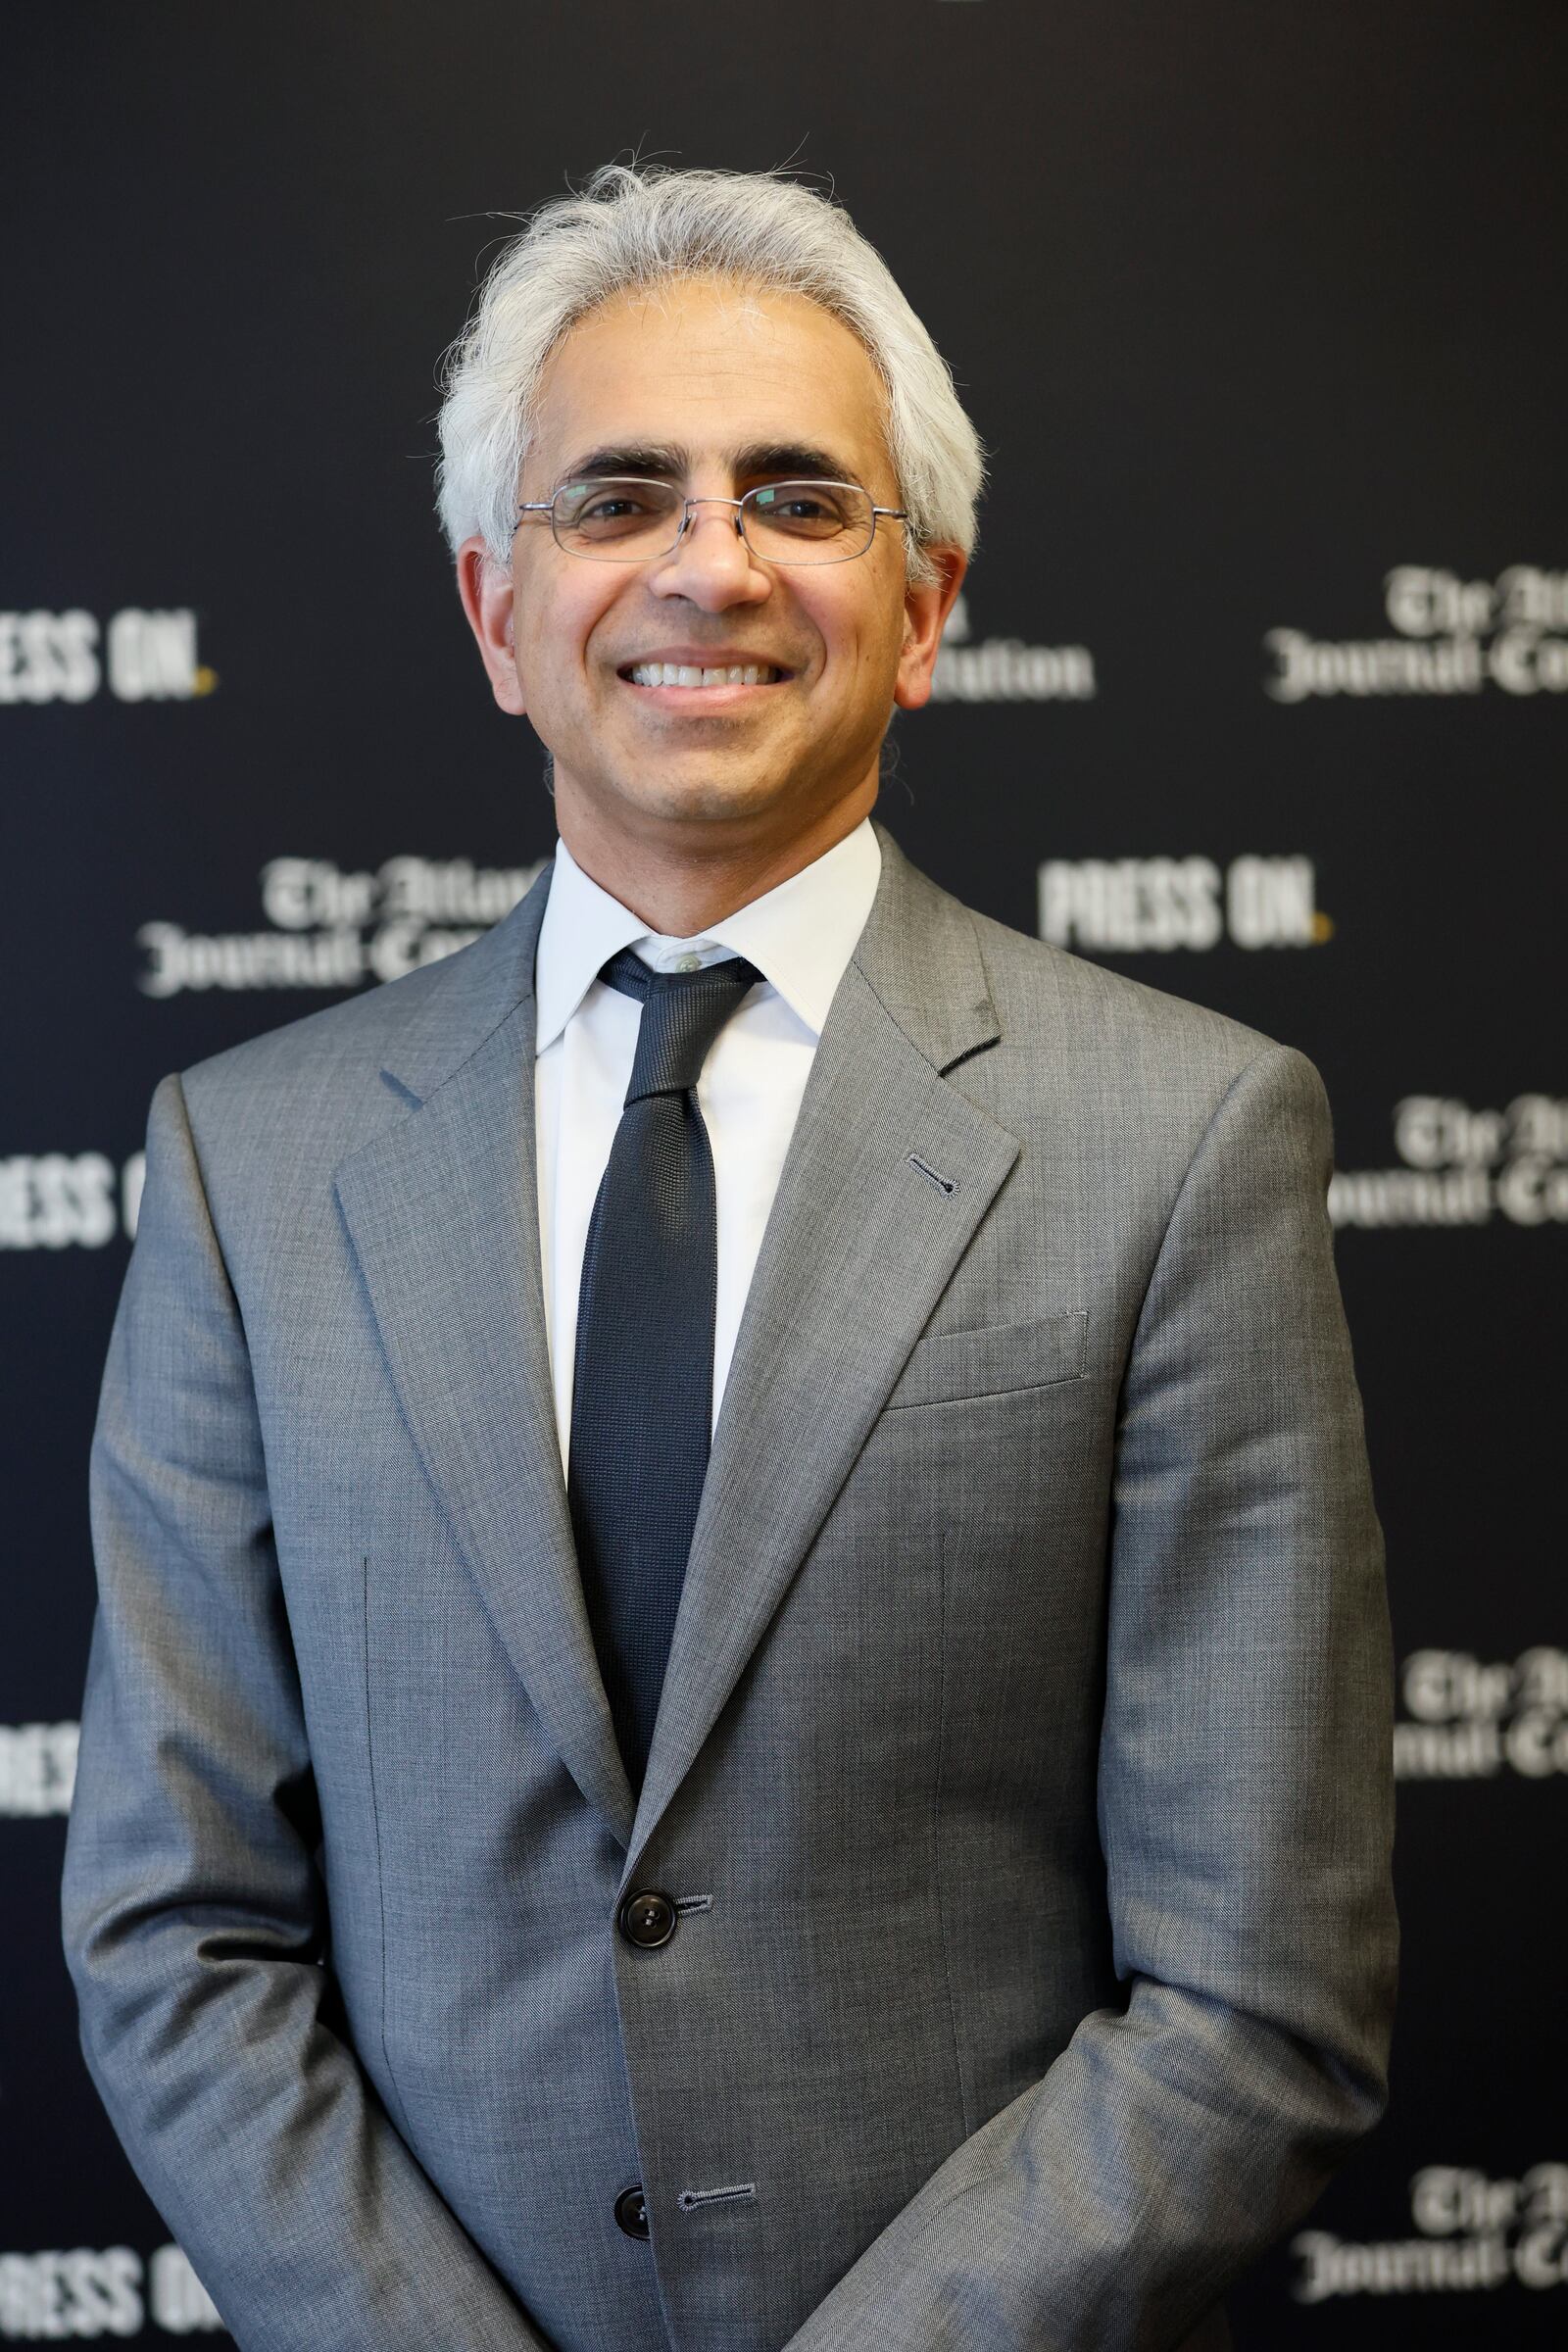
711, 563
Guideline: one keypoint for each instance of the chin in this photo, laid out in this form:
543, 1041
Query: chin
706, 797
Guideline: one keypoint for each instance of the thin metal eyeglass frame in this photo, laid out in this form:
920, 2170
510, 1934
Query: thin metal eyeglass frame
546, 505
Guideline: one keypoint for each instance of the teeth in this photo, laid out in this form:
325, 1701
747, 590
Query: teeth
685, 673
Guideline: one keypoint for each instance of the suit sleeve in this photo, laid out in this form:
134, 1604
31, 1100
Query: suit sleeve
195, 1916
1245, 1812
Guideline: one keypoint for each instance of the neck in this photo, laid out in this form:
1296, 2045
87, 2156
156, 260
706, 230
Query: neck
680, 882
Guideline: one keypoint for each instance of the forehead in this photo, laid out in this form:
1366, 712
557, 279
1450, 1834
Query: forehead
711, 367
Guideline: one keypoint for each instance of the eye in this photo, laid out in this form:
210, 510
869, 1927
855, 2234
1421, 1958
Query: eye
610, 507
806, 509
591, 512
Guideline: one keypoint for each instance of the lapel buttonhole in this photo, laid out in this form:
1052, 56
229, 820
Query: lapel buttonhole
944, 1184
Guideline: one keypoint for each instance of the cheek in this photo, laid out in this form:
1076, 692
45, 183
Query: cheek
555, 613
553, 639
868, 649
852, 635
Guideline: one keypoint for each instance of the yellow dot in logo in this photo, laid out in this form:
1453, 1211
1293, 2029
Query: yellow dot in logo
205, 681
1322, 929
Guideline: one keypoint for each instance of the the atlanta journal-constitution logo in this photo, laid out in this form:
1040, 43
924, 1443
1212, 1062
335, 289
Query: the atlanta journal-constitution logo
70, 657
1467, 1719
1451, 636
1003, 669
334, 929
1473, 2235
1463, 1166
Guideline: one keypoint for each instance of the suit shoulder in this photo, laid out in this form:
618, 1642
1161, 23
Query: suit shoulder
355, 1032
314, 1087
1059, 1001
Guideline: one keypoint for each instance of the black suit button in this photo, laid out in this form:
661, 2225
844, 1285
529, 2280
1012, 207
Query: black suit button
648, 1918
631, 2212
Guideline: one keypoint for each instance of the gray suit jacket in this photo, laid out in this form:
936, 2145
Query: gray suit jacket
1021, 1779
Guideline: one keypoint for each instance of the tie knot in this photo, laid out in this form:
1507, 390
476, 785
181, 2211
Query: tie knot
682, 1014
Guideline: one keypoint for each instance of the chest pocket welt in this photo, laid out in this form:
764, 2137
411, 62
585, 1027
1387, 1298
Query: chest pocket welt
955, 1364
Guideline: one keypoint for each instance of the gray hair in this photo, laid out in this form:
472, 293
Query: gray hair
629, 230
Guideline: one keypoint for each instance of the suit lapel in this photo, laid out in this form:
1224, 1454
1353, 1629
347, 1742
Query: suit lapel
859, 1247
443, 1213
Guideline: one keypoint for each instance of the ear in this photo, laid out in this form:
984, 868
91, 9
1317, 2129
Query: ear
486, 592
925, 613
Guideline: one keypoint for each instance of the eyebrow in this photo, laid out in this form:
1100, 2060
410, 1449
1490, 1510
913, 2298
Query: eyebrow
666, 460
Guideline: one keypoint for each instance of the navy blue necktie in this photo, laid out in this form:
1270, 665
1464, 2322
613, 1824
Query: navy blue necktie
642, 1397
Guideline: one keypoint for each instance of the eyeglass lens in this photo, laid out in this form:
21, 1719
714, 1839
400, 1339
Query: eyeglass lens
626, 520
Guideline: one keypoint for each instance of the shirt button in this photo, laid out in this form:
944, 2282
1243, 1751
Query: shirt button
688, 964
631, 2212
648, 1918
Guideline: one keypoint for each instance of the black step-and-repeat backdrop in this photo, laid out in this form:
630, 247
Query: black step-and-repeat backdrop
1259, 691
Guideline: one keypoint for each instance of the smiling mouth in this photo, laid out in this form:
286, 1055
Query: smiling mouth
686, 673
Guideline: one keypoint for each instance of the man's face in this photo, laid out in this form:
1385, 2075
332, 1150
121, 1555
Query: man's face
703, 382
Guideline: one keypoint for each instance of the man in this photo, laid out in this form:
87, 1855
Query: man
741, 1693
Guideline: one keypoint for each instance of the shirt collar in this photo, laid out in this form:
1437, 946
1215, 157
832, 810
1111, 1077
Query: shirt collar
800, 935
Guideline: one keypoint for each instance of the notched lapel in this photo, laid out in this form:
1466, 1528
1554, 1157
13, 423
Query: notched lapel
861, 1244
443, 1213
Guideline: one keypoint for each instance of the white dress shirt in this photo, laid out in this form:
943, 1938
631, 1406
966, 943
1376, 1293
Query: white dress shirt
800, 937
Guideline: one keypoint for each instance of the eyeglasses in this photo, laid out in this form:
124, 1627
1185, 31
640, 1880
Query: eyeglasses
632, 520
